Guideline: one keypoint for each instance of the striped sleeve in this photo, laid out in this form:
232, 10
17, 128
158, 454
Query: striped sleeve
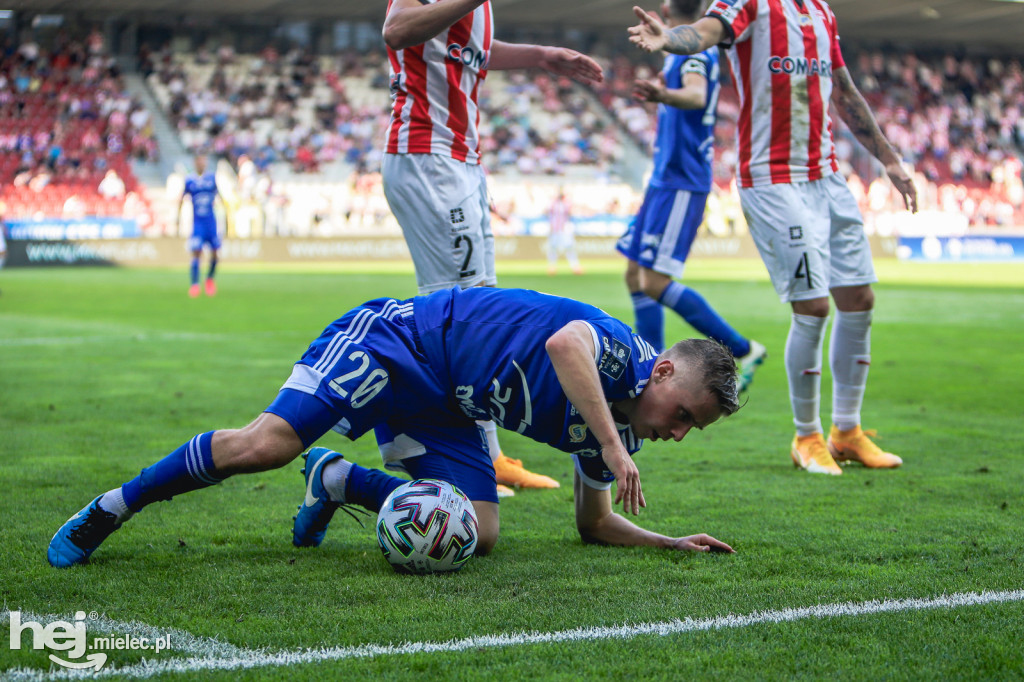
737, 16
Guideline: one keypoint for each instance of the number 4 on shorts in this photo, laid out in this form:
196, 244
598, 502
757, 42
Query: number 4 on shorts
803, 270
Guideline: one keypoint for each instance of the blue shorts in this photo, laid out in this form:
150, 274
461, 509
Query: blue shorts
453, 453
368, 370
660, 236
204, 232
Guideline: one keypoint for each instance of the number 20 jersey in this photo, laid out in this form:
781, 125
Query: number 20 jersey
491, 346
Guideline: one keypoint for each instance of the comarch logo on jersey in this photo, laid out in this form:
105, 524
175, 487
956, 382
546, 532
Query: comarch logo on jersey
800, 66
468, 55
71, 640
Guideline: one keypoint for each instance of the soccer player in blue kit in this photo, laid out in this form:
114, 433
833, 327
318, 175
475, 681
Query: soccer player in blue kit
202, 187
659, 238
556, 370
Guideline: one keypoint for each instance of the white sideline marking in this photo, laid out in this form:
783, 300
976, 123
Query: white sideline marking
212, 654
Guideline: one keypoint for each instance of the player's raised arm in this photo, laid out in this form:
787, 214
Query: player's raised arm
597, 523
652, 35
855, 112
572, 351
410, 22
560, 61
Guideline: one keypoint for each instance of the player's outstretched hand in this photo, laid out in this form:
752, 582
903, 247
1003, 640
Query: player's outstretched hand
702, 542
576, 65
904, 184
647, 91
649, 35
627, 479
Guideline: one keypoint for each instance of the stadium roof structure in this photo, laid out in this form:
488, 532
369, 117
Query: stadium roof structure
990, 23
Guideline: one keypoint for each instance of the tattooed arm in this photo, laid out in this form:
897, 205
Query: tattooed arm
652, 35
855, 112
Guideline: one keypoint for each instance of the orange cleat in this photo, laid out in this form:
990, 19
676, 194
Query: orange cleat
211, 287
193, 291
511, 472
855, 446
505, 491
812, 455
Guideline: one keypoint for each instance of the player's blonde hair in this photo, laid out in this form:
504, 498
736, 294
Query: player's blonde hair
717, 368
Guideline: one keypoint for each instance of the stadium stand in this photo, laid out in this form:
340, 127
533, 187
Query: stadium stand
65, 121
302, 133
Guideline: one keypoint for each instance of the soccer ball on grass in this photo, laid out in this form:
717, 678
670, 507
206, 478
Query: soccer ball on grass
427, 526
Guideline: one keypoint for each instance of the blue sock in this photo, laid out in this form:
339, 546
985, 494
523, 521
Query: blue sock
650, 320
188, 468
370, 487
213, 268
194, 271
692, 307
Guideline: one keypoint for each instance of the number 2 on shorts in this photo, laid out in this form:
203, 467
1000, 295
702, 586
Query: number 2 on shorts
464, 270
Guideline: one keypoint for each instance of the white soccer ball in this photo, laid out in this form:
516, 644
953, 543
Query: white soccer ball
427, 526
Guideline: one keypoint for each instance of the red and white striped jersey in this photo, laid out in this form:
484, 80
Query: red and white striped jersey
434, 88
558, 215
781, 56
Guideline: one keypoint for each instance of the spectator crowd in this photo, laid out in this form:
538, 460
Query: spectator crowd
66, 123
69, 129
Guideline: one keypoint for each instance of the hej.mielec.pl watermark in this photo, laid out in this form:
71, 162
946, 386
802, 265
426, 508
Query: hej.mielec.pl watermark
71, 637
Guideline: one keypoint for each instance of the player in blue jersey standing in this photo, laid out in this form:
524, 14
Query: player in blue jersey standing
202, 188
659, 238
553, 369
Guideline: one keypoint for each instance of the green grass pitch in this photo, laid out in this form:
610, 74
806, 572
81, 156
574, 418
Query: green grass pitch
103, 371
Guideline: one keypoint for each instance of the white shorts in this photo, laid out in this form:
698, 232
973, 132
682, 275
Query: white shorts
810, 236
561, 241
441, 205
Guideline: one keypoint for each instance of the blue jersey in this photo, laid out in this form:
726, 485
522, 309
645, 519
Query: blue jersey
683, 148
422, 370
490, 343
203, 190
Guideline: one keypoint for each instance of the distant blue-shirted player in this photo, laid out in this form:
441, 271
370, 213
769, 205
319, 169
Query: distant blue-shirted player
202, 188
556, 370
659, 238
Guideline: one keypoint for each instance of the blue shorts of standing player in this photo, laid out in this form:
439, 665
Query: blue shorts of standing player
657, 243
204, 233
422, 371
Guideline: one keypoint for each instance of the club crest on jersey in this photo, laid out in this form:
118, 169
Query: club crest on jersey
800, 66
614, 357
468, 55
724, 8
577, 433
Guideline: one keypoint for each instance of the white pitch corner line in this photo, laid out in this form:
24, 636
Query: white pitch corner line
211, 654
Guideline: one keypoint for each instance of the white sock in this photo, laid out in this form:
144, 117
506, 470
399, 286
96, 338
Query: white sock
334, 476
803, 368
113, 502
850, 358
491, 431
